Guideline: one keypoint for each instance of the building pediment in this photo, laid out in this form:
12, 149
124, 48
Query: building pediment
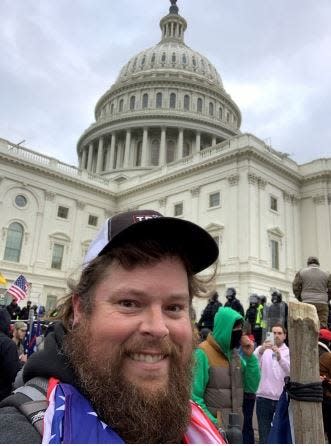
276, 232
214, 227
60, 236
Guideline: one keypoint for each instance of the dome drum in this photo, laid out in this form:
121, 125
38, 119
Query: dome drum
134, 149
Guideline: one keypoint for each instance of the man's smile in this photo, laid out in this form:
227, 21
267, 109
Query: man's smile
149, 358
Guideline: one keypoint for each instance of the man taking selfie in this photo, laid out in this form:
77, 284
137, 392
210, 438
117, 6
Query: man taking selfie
274, 360
117, 368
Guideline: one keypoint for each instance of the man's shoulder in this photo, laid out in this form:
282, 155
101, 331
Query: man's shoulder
16, 428
7, 343
284, 349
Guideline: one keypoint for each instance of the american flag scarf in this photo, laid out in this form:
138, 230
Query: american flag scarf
70, 419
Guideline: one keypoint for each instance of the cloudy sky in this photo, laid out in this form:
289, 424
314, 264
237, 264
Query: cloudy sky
57, 57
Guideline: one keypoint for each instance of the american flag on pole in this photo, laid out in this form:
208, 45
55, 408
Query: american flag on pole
19, 288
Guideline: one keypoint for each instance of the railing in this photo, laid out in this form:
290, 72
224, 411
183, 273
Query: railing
49, 162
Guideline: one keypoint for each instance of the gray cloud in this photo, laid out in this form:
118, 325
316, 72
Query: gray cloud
58, 57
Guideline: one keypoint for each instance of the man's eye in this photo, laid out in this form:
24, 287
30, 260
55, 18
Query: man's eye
176, 308
127, 303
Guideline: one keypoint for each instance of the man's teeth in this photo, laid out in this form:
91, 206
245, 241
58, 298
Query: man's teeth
146, 358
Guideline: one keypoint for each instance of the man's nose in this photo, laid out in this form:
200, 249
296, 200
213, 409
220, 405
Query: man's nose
154, 323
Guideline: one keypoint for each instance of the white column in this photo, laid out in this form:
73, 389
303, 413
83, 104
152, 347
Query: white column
180, 143
112, 151
144, 155
197, 142
127, 149
83, 164
90, 157
120, 155
100, 155
163, 155
213, 142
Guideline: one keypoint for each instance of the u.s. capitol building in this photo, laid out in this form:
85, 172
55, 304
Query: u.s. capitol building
166, 137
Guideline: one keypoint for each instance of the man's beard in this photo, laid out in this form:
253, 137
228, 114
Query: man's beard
138, 415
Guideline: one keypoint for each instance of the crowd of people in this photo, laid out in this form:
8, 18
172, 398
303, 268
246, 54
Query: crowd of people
125, 364
28, 311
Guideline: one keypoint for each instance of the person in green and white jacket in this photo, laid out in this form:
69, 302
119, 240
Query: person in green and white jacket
220, 375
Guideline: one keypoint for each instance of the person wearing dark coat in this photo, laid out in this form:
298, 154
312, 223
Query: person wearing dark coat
251, 311
26, 311
9, 362
233, 302
14, 310
208, 314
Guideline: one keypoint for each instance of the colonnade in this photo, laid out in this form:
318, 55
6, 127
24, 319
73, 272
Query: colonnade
122, 152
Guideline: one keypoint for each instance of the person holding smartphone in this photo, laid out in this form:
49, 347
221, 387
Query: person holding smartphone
274, 360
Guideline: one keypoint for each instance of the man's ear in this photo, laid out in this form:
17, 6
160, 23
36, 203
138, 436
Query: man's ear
77, 310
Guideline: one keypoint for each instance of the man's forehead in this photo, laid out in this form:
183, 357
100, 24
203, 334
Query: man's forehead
127, 290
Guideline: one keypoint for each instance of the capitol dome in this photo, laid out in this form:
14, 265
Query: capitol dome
167, 104
171, 56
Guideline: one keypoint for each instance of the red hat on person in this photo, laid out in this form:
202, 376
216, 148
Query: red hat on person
325, 335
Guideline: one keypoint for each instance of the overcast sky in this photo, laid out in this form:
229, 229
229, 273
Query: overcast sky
57, 57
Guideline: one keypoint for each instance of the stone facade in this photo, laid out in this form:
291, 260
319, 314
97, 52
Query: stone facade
159, 143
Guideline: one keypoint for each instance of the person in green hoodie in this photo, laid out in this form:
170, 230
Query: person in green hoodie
220, 376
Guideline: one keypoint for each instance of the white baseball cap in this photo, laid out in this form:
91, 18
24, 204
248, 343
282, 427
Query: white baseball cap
197, 244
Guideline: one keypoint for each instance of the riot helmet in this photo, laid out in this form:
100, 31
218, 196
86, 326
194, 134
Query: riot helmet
230, 294
263, 299
253, 300
276, 297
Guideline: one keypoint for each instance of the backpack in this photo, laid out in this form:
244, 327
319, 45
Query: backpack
31, 401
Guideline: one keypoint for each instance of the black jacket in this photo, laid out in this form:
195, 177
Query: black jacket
51, 361
9, 362
14, 310
236, 306
14, 426
208, 314
251, 315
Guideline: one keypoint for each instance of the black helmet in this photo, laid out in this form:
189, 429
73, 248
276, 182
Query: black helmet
214, 297
253, 299
263, 299
276, 296
230, 293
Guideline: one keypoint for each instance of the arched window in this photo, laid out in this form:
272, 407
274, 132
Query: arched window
186, 149
173, 58
211, 109
120, 106
186, 102
112, 108
143, 60
14, 242
153, 58
163, 58
145, 100
172, 100
199, 105
171, 151
184, 59
220, 113
137, 162
158, 100
155, 152
132, 102
227, 117
194, 62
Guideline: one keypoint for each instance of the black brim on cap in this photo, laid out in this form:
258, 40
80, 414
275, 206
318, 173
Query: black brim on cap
199, 248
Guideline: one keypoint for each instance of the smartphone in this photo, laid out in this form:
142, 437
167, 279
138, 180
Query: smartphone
270, 337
